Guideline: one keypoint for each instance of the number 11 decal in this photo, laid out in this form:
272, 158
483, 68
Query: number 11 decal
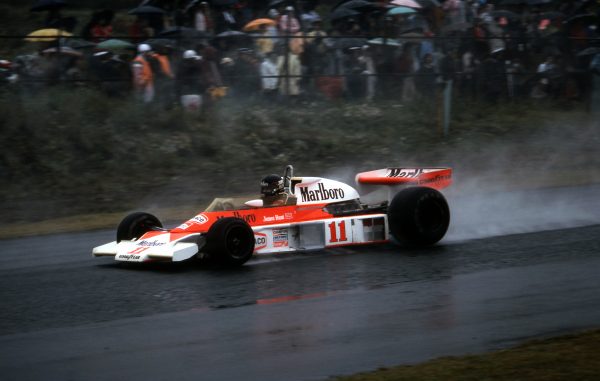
333, 232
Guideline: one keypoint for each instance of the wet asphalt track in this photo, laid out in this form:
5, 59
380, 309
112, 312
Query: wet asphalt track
67, 316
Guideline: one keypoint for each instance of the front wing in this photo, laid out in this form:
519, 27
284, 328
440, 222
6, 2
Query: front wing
158, 247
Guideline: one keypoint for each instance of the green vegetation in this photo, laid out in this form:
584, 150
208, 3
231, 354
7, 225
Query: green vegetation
571, 357
73, 150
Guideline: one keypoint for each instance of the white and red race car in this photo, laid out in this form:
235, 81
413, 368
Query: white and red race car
405, 206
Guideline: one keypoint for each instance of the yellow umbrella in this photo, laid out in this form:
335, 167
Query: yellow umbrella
49, 34
256, 24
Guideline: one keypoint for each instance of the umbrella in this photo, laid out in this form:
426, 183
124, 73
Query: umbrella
182, 32
553, 15
342, 13
539, 2
232, 33
411, 37
400, 11
429, 3
384, 41
503, 13
456, 27
115, 44
589, 52
406, 3
146, 10
349, 42
223, 2
63, 50
357, 4
513, 2
160, 42
256, 24
582, 17
49, 34
79, 44
46, 5
275, 3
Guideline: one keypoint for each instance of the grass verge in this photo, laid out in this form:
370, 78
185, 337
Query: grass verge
571, 357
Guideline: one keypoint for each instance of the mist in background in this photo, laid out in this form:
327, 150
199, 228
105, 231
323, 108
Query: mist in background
519, 183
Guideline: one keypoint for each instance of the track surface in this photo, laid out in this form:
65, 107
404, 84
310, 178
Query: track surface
66, 316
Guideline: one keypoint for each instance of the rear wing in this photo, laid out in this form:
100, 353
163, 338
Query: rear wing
437, 178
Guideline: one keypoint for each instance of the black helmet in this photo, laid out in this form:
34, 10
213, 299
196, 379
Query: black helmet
271, 185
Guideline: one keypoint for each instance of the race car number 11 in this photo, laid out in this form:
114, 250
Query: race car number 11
333, 232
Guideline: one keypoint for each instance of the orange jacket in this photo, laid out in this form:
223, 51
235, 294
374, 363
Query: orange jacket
142, 76
165, 65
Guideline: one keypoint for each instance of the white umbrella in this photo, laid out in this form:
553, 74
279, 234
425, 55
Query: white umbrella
406, 3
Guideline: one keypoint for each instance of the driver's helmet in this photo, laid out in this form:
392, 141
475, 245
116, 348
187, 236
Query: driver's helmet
271, 185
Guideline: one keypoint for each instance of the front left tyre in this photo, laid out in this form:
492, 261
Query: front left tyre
136, 225
230, 242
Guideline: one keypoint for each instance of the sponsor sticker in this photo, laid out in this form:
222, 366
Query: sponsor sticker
129, 257
404, 173
321, 194
150, 243
260, 241
278, 217
249, 218
200, 219
280, 237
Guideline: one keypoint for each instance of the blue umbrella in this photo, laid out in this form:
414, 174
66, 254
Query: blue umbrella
401, 11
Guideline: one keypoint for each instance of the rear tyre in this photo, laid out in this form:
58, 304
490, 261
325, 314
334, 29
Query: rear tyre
136, 225
418, 216
230, 242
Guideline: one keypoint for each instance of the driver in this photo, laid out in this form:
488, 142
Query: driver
272, 191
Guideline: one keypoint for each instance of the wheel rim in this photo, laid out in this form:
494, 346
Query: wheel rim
236, 242
432, 216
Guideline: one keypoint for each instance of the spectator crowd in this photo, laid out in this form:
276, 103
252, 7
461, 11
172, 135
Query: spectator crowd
194, 52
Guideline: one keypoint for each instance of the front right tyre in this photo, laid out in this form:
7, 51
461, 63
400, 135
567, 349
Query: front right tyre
136, 225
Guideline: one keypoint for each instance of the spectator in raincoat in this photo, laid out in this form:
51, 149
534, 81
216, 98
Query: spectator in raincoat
163, 76
269, 73
190, 81
290, 70
143, 77
288, 23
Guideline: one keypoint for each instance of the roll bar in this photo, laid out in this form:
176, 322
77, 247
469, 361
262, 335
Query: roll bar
287, 177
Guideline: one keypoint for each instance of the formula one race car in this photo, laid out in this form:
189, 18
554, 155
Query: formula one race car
296, 214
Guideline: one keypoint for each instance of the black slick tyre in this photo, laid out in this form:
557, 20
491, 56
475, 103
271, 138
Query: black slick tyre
135, 225
418, 216
230, 242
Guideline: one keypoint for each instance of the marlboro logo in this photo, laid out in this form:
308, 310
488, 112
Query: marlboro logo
321, 194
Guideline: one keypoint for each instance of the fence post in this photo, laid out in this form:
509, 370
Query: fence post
447, 105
